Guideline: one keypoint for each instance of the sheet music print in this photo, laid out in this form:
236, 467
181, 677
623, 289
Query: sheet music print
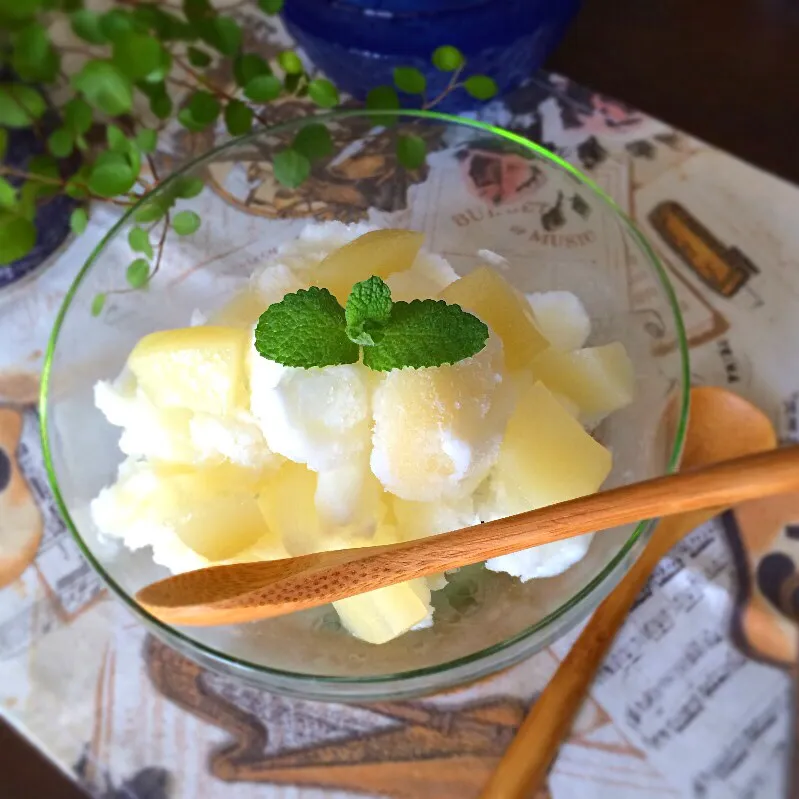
60, 585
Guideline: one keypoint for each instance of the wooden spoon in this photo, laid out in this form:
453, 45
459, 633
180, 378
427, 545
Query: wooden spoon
722, 426
249, 591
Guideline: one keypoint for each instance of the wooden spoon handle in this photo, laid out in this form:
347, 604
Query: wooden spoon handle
524, 765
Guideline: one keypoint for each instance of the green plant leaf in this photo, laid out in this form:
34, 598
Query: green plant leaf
152, 209
61, 142
8, 194
16, 10
447, 58
47, 167
323, 93
197, 9
17, 237
291, 168
139, 241
111, 174
481, 87
160, 101
29, 193
221, 33
238, 118
20, 105
411, 151
248, 66
305, 329
290, 62
187, 187
116, 23
104, 87
313, 141
425, 333
383, 98
167, 26
184, 223
270, 6
368, 309
138, 273
146, 140
98, 303
204, 107
3, 143
78, 115
86, 25
198, 58
409, 80
34, 58
117, 140
78, 220
140, 57
263, 89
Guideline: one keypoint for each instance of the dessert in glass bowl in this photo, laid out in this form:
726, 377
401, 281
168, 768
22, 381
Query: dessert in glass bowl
583, 349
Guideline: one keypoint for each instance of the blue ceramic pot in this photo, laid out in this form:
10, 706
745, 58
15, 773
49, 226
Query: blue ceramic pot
359, 42
52, 216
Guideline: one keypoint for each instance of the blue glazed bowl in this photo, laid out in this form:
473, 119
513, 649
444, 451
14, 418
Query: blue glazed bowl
359, 42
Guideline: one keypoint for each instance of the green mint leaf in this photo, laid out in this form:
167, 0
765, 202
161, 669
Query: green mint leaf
426, 333
291, 168
271, 6
20, 105
139, 241
313, 141
18, 237
86, 25
481, 87
184, 223
323, 93
411, 151
98, 303
78, 220
263, 88
60, 142
409, 80
305, 329
447, 58
290, 62
248, 66
238, 118
138, 273
8, 194
368, 308
104, 87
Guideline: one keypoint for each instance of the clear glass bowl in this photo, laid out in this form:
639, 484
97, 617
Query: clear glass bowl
482, 188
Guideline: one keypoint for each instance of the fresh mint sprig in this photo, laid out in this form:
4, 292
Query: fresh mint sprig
310, 329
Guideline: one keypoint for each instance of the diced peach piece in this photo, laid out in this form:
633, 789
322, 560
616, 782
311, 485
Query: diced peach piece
379, 252
506, 311
198, 368
599, 379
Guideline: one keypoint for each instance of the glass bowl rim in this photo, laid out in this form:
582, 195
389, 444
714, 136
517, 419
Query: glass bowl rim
252, 669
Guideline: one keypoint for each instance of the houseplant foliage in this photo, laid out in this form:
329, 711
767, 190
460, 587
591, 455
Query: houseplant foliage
143, 66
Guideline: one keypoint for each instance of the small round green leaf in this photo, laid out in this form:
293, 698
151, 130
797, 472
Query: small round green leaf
20, 105
291, 168
60, 142
17, 237
187, 187
104, 87
33, 57
86, 25
146, 140
481, 87
78, 220
382, 98
409, 80
238, 118
138, 273
140, 57
117, 140
184, 223
8, 194
290, 62
447, 58
411, 151
204, 107
323, 93
78, 115
152, 209
139, 241
98, 303
270, 6
313, 141
263, 89
110, 175
248, 66
161, 102
222, 33
198, 58
116, 23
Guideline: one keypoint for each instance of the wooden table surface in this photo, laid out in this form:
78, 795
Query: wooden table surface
725, 72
